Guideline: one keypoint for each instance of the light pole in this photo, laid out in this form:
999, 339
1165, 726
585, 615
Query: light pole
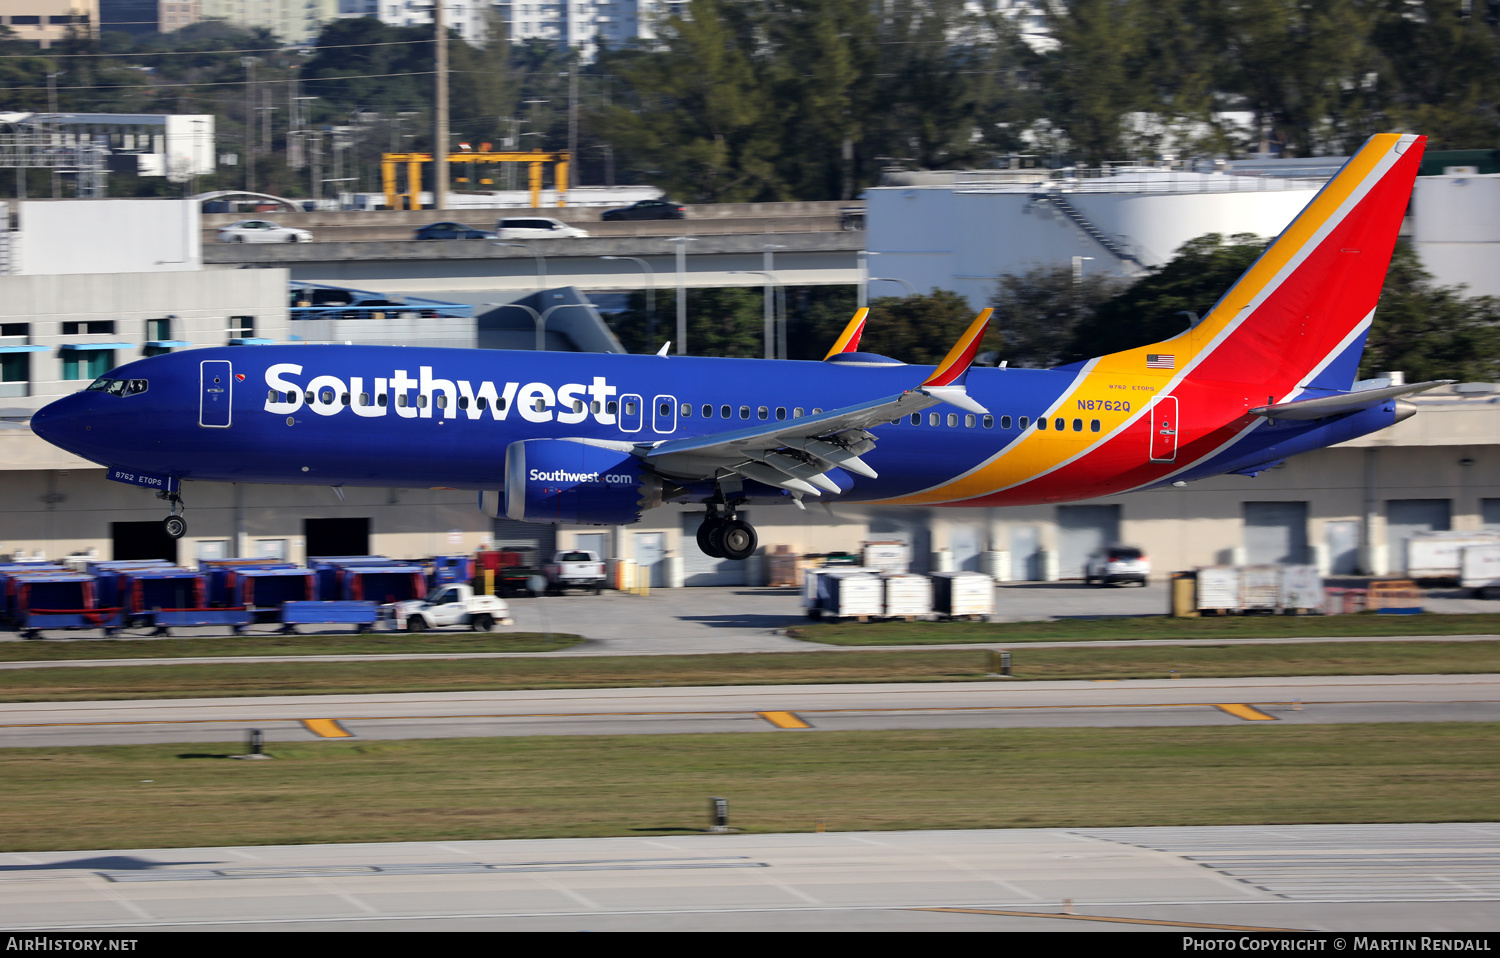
682, 242
767, 264
769, 311
910, 289
541, 263
541, 319
650, 294
440, 114
249, 64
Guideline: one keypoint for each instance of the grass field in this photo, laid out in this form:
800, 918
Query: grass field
762, 668
578, 786
1146, 627
374, 643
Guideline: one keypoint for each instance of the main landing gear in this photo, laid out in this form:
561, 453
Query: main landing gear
174, 525
726, 536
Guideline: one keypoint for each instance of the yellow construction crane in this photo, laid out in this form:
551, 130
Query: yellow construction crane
535, 160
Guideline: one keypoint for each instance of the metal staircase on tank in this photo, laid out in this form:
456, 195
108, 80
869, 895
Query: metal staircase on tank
1089, 229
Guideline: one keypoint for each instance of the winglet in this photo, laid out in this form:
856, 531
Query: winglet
959, 358
848, 342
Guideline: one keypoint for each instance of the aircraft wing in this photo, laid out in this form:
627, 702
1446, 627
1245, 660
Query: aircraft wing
795, 454
1303, 409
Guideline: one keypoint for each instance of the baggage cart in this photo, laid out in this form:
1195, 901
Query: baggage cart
845, 594
361, 614
907, 596
962, 595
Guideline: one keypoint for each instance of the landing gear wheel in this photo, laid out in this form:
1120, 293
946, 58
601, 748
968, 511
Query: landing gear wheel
706, 537
735, 539
174, 526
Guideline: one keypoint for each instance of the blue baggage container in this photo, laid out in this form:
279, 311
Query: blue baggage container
61, 600
362, 614
222, 574
380, 585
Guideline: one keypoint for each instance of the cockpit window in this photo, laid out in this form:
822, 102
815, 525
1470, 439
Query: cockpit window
119, 387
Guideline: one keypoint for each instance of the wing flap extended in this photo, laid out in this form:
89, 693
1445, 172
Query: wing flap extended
1324, 406
796, 454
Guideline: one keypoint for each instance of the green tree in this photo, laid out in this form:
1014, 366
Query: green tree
920, 329
1441, 71
1039, 312
1430, 331
1093, 78
1150, 309
696, 112
1301, 66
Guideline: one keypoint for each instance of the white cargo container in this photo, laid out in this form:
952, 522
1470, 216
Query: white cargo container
1218, 588
1260, 588
843, 594
1437, 555
1301, 587
1480, 567
812, 577
907, 596
962, 594
887, 556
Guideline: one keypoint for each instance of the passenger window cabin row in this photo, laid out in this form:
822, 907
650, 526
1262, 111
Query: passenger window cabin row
685, 410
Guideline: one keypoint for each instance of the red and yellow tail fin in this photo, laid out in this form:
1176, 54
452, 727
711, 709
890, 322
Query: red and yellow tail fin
957, 362
848, 341
1298, 317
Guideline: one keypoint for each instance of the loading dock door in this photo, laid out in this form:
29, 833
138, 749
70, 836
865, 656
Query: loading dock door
337, 537
1404, 518
1080, 531
142, 540
1276, 533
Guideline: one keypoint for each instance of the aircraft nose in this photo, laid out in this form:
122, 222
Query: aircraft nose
57, 422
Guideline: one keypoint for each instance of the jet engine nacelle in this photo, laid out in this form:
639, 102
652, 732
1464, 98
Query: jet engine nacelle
565, 480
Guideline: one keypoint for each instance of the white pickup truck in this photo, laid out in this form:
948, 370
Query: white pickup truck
452, 604
575, 569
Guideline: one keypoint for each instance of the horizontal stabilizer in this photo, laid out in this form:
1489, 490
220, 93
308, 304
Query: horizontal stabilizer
1322, 407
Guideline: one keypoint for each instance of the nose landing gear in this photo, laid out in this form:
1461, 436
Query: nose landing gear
726, 536
174, 524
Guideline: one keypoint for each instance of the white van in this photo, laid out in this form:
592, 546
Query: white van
535, 227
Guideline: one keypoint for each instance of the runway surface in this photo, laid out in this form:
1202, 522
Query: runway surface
591, 648
1337, 878
793, 709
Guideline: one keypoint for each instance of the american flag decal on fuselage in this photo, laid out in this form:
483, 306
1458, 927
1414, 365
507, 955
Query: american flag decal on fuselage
1161, 361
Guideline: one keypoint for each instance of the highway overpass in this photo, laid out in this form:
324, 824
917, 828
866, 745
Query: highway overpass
810, 249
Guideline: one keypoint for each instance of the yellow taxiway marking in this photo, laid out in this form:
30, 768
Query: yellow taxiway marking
1247, 712
325, 728
1123, 921
783, 719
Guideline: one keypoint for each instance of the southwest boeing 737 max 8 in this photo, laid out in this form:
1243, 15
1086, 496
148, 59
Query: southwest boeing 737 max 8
597, 439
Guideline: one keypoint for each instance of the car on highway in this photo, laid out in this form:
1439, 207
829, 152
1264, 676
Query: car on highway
449, 230
262, 231
536, 227
1117, 564
648, 210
